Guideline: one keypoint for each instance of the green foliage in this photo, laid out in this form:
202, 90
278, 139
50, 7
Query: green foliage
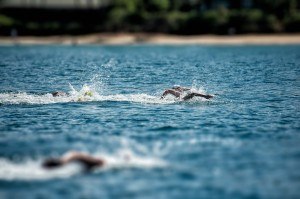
292, 22
32, 26
216, 17
129, 6
167, 16
213, 21
73, 26
122, 13
271, 24
50, 25
246, 20
116, 17
158, 5
177, 20
280, 8
6, 21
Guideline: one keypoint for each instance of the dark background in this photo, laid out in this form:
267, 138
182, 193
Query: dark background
183, 17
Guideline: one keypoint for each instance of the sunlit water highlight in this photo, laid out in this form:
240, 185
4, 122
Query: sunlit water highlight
244, 143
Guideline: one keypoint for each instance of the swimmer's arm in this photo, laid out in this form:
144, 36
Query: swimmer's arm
180, 88
191, 95
185, 89
170, 91
83, 158
203, 95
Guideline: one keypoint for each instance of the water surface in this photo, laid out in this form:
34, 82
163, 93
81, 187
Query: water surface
244, 143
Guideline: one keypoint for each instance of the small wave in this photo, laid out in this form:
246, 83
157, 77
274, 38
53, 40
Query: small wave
209, 140
167, 128
27, 98
128, 159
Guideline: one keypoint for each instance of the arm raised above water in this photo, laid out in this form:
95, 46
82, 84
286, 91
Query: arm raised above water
172, 92
88, 161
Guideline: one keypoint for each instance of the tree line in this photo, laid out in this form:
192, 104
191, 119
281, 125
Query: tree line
186, 17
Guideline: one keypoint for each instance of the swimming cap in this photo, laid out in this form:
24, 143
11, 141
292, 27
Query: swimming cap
88, 93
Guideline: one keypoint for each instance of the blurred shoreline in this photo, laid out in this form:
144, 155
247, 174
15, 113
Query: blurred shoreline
155, 39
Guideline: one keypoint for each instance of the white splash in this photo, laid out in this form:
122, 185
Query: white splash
208, 140
90, 93
32, 170
128, 159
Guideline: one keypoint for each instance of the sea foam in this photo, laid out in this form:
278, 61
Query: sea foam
80, 96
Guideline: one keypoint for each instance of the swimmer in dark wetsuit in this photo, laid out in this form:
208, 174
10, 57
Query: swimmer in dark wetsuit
58, 94
63, 94
178, 91
89, 162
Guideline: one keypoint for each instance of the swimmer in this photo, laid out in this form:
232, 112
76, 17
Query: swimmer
89, 162
81, 98
58, 94
86, 94
178, 91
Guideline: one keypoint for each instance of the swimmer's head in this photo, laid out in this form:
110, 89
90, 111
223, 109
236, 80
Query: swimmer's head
58, 94
88, 93
51, 163
176, 86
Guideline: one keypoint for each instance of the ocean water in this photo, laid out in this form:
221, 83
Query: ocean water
243, 143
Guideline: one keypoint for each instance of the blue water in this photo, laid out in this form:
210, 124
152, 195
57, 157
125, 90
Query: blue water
244, 143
